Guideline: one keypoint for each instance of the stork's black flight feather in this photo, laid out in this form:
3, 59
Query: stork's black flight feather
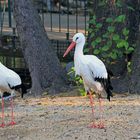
107, 84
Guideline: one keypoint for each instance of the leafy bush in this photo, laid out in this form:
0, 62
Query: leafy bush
78, 81
108, 33
110, 44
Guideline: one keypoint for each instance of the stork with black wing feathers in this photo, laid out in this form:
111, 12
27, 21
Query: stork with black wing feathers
93, 72
9, 82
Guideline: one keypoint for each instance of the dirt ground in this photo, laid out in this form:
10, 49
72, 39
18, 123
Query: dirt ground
68, 118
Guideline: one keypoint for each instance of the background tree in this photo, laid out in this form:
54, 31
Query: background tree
112, 35
44, 66
134, 84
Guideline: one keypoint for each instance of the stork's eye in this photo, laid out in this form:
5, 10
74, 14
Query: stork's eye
76, 38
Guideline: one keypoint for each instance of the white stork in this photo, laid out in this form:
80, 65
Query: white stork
9, 82
93, 72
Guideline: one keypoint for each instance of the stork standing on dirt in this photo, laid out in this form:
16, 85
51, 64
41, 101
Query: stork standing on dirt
93, 72
9, 82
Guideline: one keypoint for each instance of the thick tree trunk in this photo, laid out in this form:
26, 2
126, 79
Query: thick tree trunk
130, 82
134, 19
44, 66
134, 86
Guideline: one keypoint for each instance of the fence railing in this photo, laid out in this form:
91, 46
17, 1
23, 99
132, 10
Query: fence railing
11, 53
61, 18
68, 17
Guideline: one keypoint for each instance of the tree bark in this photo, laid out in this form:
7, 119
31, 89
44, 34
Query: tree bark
129, 82
134, 16
134, 86
44, 66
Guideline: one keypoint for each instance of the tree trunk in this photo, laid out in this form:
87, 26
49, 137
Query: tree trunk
44, 66
134, 83
130, 82
134, 20
134, 86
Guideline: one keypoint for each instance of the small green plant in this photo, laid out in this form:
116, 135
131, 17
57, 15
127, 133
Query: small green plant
78, 81
82, 92
129, 67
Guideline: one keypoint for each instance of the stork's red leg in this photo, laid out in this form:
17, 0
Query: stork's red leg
2, 104
93, 112
92, 103
12, 113
101, 124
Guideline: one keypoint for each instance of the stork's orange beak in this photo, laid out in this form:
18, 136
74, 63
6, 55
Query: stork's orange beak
71, 46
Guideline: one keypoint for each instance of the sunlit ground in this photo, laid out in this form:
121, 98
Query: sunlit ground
68, 118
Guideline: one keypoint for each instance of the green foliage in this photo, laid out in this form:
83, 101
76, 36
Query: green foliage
109, 20
125, 31
109, 42
129, 67
78, 81
111, 29
82, 92
120, 19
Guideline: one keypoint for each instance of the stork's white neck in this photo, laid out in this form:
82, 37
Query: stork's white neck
79, 49
78, 57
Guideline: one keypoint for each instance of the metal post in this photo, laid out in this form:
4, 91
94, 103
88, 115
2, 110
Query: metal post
59, 15
9, 13
67, 34
14, 35
2, 16
14, 44
0, 12
85, 14
42, 13
57, 47
76, 16
51, 17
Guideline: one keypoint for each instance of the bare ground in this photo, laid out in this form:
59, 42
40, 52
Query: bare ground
68, 118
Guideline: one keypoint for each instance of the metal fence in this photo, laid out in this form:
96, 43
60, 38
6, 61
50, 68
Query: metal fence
61, 18
12, 57
68, 17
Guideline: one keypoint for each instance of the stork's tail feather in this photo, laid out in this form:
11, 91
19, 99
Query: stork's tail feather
110, 73
7, 96
107, 84
23, 88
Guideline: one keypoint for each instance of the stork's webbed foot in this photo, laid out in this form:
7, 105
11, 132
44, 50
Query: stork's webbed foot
11, 123
94, 125
2, 125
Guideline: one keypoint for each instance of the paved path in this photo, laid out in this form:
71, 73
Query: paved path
58, 29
